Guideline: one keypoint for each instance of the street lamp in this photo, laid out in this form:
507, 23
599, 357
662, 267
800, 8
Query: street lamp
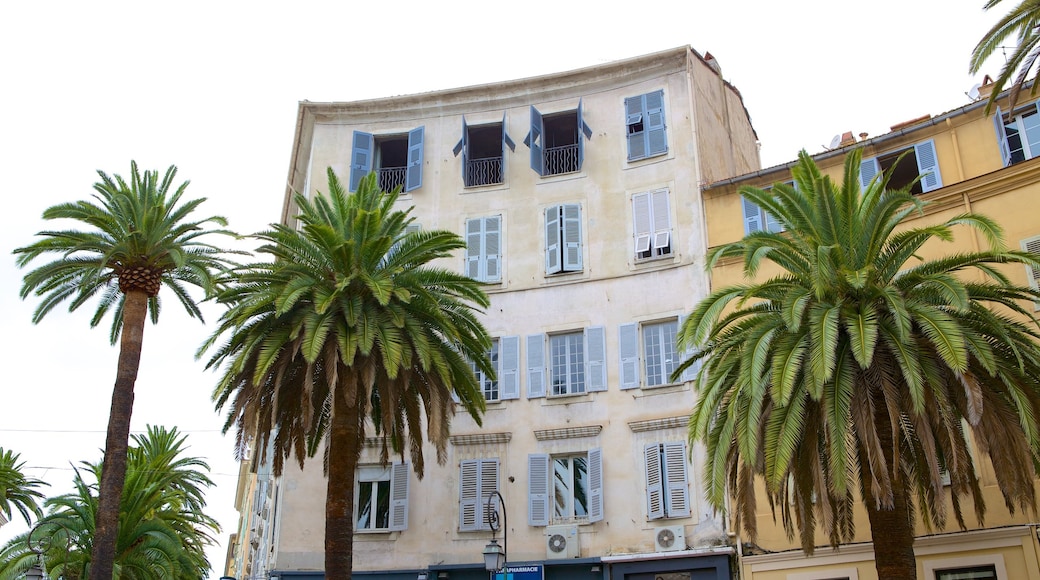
495, 555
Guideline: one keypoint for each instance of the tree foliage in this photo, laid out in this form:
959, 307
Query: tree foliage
17, 490
1021, 22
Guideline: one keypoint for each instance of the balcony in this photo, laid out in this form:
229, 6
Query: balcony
391, 178
486, 171
563, 159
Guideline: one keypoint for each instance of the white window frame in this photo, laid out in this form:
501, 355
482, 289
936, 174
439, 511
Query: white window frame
542, 481
396, 477
1023, 130
661, 354
652, 225
634, 355
667, 480
575, 381
484, 248
489, 385
932, 566
563, 239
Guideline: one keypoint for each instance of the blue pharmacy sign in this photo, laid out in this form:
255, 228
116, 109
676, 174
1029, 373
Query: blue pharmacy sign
532, 572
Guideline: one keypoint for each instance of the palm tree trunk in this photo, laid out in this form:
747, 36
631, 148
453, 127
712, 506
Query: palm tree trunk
113, 473
892, 530
344, 451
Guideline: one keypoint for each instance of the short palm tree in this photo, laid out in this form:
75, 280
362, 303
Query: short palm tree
16, 489
349, 331
1023, 22
861, 371
139, 237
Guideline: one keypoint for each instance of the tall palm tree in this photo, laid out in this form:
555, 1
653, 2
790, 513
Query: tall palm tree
17, 489
1023, 21
348, 331
860, 370
139, 237
163, 530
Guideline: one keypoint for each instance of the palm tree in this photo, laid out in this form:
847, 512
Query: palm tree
139, 237
163, 531
1022, 21
16, 489
861, 371
349, 330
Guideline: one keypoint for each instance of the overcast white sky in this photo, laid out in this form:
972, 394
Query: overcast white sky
213, 87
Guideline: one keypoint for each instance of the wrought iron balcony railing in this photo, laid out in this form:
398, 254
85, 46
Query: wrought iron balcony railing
562, 159
391, 177
487, 171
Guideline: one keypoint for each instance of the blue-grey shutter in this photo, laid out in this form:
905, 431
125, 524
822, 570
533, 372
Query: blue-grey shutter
492, 249
553, 261
654, 485
506, 141
928, 166
752, 216
571, 220
595, 485
534, 141
509, 363
361, 157
488, 483
867, 170
463, 147
628, 340
474, 247
635, 113
676, 480
691, 371
535, 366
469, 495
538, 489
1002, 141
398, 497
596, 358
656, 140
583, 131
413, 175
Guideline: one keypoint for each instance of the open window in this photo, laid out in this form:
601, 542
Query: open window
645, 128
397, 159
653, 224
381, 498
565, 488
505, 357
483, 153
1018, 133
919, 161
557, 141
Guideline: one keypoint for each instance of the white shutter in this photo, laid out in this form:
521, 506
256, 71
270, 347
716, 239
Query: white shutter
928, 165
595, 359
509, 373
538, 489
571, 237
867, 170
691, 371
595, 485
1002, 140
654, 488
492, 249
662, 221
398, 497
553, 262
474, 248
628, 340
752, 217
469, 495
535, 366
643, 229
678, 488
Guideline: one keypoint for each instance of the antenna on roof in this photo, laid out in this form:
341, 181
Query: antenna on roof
973, 92
835, 142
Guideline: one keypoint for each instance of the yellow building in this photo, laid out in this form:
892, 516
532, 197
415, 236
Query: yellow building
970, 162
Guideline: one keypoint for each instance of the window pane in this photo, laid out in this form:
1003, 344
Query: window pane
364, 511
1031, 123
581, 486
1014, 141
659, 351
561, 486
567, 363
383, 505
988, 572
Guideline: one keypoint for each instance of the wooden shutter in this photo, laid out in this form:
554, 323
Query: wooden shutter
535, 366
413, 175
509, 371
868, 168
654, 486
662, 222
678, 488
463, 147
492, 271
1002, 140
474, 247
656, 140
534, 141
595, 485
488, 483
553, 261
583, 131
752, 216
469, 495
398, 497
538, 489
928, 166
571, 219
628, 339
643, 227
506, 142
595, 358
361, 157
634, 114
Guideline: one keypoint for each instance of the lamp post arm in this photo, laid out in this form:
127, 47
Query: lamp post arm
493, 517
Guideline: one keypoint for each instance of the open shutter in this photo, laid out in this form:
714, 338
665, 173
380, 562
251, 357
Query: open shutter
656, 140
654, 487
643, 227
398, 497
469, 495
571, 237
595, 359
583, 131
361, 157
928, 166
661, 221
553, 261
538, 489
634, 116
535, 366
413, 175
628, 338
492, 249
506, 141
509, 373
488, 480
1002, 140
474, 247
463, 147
678, 488
867, 170
595, 485
691, 371
534, 141
1032, 245
752, 216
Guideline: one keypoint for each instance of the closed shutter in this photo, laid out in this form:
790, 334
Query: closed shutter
535, 366
678, 488
361, 158
474, 247
643, 227
571, 217
538, 489
634, 116
492, 249
534, 141
752, 216
868, 168
413, 175
509, 373
662, 222
595, 359
469, 495
928, 166
553, 263
1002, 140
398, 497
595, 485
656, 140
488, 481
628, 339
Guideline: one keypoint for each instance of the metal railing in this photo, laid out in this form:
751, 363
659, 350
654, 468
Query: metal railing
559, 160
391, 177
485, 171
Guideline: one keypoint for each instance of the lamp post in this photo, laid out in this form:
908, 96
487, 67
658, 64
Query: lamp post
495, 555
39, 544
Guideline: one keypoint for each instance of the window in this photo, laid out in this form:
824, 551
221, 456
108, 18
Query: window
557, 141
1018, 135
505, 357
397, 159
565, 488
575, 363
920, 161
667, 487
477, 479
660, 354
653, 231
757, 219
381, 498
644, 119
987, 572
483, 248
1032, 245
483, 153
563, 238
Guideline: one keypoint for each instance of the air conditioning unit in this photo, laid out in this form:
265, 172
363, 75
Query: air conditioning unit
562, 542
670, 538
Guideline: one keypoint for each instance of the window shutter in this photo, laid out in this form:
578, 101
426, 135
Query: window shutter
398, 497
492, 249
583, 130
506, 141
634, 114
535, 366
867, 170
656, 140
488, 482
360, 158
534, 141
571, 237
676, 480
463, 147
509, 363
654, 488
469, 495
928, 165
1002, 141
628, 338
1032, 245
474, 248
643, 226
662, 220
595, 485
538, 490
772, 224
595, 358
553, 263
691, 371
413, 175
752, 216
